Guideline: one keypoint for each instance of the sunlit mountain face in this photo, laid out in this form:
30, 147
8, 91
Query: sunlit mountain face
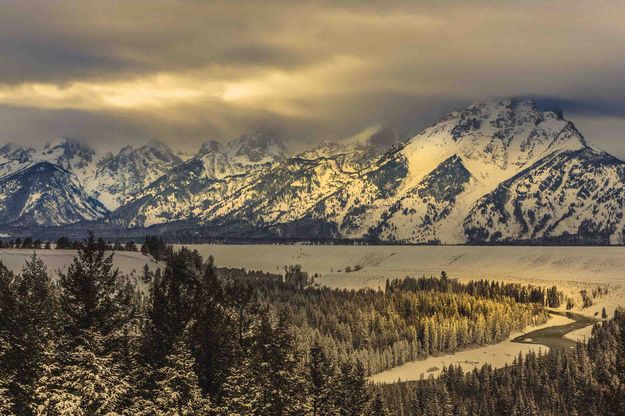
496, 171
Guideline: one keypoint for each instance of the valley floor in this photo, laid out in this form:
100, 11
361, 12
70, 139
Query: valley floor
571, 269
497, 355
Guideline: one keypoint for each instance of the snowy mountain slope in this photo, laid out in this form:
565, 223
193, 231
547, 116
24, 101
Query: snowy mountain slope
118, 176
495, 171
419, 212
420, 190
172, 197
573, 193
45, 194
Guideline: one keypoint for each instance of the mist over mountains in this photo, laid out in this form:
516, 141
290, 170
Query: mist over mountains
499, 171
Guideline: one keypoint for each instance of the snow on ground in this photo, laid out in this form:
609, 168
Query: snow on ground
570, 268
497, 355
129, 263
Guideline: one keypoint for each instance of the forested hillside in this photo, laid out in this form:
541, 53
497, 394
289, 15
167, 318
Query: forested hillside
386, 329
225, 341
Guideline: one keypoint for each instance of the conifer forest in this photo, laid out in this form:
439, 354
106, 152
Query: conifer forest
205, 340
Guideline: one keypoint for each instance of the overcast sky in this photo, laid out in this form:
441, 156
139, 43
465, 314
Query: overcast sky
118, 72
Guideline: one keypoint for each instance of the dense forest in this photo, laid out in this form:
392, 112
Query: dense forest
587, 380
386, 329
209, 341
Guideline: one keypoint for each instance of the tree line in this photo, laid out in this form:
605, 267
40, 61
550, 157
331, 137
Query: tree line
484, 288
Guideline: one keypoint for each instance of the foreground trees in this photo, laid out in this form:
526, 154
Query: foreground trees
209, 341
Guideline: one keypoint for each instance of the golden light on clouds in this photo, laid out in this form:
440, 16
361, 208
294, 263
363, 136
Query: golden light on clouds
159, 91
317, 69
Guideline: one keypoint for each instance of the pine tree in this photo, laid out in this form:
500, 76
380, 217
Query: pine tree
82, 381
89, 290
321, 374
172, 303
34, 324
8, 311
6, 398
211, 331
353, 396
242, 300
177, 388
282, 387
377, 407
241, 392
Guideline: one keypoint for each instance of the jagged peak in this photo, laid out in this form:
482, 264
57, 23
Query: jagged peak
70, 145
157, 146
210, 146
262, 137
13, 151
258, 146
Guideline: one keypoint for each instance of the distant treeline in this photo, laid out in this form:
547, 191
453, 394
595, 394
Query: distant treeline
550, 297
152, 245
27, 242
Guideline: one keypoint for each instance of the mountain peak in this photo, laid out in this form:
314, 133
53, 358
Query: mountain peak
70, 146
12, 151
210, 146
257, 147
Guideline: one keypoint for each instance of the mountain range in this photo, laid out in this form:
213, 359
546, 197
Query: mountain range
495, 172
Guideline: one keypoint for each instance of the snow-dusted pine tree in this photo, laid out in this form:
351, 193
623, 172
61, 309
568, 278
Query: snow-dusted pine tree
177, 389
240, 392
84, 379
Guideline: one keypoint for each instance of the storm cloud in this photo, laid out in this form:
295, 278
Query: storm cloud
182, 72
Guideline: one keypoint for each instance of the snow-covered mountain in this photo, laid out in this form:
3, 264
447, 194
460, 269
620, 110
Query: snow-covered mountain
112, 179
442, 185
119, 176
501, 171
45, 194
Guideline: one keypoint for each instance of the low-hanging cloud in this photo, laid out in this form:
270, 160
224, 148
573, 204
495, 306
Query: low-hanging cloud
185, 71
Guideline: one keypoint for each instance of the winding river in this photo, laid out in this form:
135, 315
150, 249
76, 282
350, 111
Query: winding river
555, 336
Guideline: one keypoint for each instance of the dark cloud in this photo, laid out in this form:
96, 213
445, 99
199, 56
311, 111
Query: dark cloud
182, 71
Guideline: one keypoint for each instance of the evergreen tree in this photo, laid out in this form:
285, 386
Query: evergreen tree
282, 385
89, 291
82, 381
377, 407
241, 391
211, 331
172, 303
6, 398
321, 375
241, 299
353, 396
34, 324
177, 388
